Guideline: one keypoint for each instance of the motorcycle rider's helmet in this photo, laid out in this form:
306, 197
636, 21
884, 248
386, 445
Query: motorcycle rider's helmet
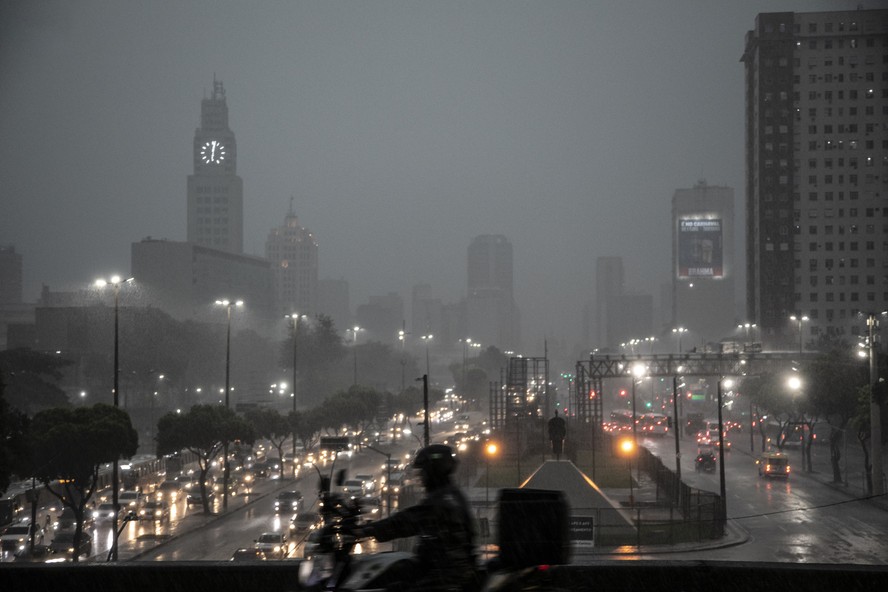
435, 464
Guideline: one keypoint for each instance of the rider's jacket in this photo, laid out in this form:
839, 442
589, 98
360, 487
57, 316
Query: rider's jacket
446, 546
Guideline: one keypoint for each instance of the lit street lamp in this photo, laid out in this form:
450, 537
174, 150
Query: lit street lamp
747, 326
637, 372
355, 331
872, 321
228, 304
115, 282
294, 319
800, 319
679, 331
489, 451
627, 449
426, 339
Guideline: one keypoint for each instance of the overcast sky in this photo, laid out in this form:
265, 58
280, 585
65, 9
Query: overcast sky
403, 129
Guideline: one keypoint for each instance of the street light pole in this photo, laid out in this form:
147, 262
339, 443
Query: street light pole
875, 411
226, 464
426, 339
115, 282
679, 331
800, 319
355, 352
294, 318
721, 455
637, 373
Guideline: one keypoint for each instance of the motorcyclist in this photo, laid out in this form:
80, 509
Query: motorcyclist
445, 552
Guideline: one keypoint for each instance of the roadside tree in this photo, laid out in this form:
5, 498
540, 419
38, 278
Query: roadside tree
68, 448
271, 425
203, 430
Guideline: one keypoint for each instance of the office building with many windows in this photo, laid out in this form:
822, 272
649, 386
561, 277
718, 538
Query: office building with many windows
816, 172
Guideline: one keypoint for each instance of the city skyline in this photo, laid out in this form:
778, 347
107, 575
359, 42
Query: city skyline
401, 141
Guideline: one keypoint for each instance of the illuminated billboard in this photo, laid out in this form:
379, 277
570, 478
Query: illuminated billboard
700, 253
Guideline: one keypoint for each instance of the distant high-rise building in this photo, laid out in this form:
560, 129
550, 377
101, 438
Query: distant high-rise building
609, 290
381, 317
215, 192
703, 261
334, 302
492, 317
620, 315
816, 180
185, 280
427, 312
293, 254
10, 275
13, 310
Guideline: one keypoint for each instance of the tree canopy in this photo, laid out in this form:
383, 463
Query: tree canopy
203, 430
69, 446
31, 379
271, 425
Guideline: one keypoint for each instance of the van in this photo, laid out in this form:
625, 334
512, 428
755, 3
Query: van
773, 464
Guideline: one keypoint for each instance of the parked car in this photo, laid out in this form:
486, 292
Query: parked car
273, 544
157, 510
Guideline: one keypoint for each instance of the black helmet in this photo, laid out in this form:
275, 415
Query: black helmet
436, 463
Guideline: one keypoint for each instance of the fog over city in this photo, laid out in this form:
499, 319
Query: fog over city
401, 129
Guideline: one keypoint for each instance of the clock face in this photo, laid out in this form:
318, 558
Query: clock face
212, 152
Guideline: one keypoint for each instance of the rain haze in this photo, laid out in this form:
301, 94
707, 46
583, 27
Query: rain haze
401, 129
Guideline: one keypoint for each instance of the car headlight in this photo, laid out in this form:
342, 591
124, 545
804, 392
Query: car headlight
277, 548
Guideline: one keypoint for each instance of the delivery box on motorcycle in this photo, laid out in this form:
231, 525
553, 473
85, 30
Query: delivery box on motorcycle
533, 528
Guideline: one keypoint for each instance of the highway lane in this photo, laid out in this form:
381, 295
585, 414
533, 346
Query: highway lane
217, 540
800, 519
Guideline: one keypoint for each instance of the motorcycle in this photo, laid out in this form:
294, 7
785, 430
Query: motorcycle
335, 567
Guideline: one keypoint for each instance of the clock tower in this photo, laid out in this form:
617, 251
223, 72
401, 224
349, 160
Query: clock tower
215, 192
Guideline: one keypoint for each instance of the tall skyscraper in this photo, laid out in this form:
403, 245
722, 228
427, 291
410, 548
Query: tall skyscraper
334, 301
492, 317
703, 261
293, 253
816, 176
609, 289
10, 275
215, 192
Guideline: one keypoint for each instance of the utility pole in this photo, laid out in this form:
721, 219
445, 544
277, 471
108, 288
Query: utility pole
875, 411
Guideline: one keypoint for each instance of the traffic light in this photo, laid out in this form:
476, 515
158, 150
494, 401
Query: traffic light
622, 392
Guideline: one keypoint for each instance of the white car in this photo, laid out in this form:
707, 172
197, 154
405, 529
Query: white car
130, 500
273, 544
105, 511
17, 536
